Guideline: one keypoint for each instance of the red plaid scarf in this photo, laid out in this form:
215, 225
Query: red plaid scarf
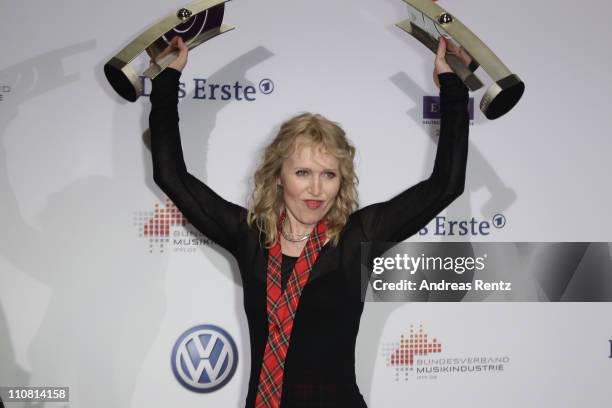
281, 308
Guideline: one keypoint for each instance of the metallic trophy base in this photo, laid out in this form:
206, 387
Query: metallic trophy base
428, 21
196, 23
466, 73
123, 79
502, 96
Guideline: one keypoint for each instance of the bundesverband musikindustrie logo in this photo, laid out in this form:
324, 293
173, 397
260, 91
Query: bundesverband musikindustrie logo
166, 229
420, 355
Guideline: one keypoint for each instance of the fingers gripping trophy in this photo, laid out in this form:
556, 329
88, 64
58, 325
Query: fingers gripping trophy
164, 41
429, 23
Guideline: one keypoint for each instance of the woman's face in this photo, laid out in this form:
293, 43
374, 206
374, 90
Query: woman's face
311, 180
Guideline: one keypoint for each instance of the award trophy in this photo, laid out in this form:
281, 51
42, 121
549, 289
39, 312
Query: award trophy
428, 22
195, 23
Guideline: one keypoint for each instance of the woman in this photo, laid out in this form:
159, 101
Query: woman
298, 246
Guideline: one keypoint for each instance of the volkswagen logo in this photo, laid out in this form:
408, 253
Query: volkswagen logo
204, 358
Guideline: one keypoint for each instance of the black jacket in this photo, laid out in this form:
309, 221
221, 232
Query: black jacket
320, 363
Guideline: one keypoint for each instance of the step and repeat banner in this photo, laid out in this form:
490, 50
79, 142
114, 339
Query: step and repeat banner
110, 298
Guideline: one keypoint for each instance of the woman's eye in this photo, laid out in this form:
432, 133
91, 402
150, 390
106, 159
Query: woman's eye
330, 174
301, 172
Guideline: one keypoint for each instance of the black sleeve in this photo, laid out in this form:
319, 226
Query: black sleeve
404, 215
215, 217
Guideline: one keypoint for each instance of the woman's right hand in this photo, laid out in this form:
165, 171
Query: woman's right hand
180, 61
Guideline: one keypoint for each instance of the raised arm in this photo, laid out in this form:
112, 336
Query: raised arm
405, 214
408, 212
215, 217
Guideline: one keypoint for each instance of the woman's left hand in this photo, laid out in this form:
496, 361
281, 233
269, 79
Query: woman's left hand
440, 65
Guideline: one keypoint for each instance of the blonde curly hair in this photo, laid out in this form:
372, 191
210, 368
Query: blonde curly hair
267, 198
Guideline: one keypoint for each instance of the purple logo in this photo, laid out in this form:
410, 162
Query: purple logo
431, 108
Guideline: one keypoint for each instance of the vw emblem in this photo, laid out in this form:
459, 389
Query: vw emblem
204, 358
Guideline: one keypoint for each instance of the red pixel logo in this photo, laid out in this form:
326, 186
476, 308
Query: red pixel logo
156, 225
164, 218
401, 354
415, 344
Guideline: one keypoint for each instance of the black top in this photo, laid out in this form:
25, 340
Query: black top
286, 269
320, 362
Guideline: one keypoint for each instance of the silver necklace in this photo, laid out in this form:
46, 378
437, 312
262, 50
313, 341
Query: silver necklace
294, 238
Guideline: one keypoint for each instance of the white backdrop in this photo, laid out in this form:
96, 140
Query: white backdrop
90, 302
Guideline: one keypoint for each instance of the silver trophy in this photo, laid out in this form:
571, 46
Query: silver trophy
428, 22
195, 23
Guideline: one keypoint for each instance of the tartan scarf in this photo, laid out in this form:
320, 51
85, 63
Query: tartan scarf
281, 308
